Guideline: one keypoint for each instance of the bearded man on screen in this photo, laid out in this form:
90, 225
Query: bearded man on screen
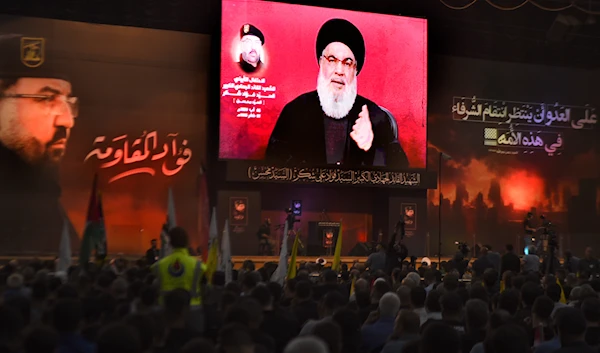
37, 112
335, 125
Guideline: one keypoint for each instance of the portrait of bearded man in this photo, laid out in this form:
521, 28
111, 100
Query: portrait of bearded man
37, 113
251, 43
333, 124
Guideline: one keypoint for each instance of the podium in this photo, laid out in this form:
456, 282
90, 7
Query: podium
322, 237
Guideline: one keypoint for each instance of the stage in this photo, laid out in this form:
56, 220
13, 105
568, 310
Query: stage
259, 261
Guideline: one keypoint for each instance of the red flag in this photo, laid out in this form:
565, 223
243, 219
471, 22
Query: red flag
203, 212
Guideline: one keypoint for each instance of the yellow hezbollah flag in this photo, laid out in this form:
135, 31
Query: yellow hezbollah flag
563, 299
337, 261
352, 285
502, 286
292, 267
213, 260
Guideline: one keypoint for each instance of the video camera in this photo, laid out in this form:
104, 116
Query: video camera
291, 217
462, 247
549, 232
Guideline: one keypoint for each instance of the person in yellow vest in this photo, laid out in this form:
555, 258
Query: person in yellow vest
180, 270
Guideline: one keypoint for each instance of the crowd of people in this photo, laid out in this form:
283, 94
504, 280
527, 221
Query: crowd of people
503, 307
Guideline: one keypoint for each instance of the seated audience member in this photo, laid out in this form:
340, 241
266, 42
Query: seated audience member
433, 307
476, 318
330, 333
235, 338
145, 328
497, 319
430, 280
451, 304
67, 317
40, 339
277, 322
541, 329
176, 309
306, 345
119, 338
509, 338
375, 334
554, 291
329, 282
328, 306
350, 324
380, 287
403, 293
509, 301
248, 312
198, 345
591, 311
406, 330
529, 293
303, 306
440, 337
479, 292
418, 296
571, 327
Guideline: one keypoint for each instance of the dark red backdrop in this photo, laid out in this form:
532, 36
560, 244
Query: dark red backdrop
394, 74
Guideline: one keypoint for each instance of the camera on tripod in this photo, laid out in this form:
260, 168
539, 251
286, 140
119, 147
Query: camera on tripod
291, 217
549, 232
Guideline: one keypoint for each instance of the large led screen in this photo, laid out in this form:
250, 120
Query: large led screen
309, 86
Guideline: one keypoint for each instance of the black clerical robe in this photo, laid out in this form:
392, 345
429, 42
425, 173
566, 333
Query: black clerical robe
31, 216
299, 136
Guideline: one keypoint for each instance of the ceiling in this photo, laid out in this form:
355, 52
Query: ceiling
528, 34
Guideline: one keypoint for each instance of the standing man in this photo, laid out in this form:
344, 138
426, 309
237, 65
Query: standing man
529, 231
153, 253
333, 124
588, 266
264, 238
37, 113
251, 40
510, 261
376, 260
180, 270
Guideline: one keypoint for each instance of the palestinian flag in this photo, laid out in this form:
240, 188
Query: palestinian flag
94, 232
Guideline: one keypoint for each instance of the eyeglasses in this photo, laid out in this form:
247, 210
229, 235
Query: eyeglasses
332, 61
52, 102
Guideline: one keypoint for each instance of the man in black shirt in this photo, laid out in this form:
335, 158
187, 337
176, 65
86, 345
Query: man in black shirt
264, 238
510, 261
153, 253
588, 265
396, 252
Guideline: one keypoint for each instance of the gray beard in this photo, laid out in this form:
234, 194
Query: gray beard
336, 107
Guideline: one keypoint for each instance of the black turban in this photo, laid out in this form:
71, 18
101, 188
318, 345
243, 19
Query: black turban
249, 29
338, 30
